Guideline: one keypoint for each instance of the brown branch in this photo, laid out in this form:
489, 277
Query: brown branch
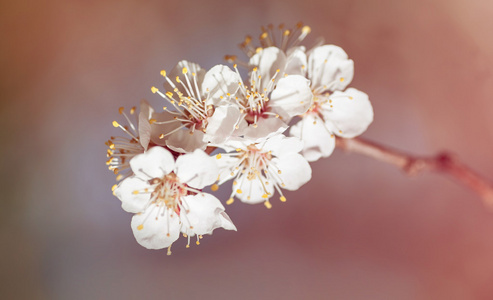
444, 163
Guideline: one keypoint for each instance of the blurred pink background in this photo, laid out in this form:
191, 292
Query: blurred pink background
359, 230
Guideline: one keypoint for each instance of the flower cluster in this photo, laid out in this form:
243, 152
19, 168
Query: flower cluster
216, 127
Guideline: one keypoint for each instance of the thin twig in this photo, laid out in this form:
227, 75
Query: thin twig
444, 163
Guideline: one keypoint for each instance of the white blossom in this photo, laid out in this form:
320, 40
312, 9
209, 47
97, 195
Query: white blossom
268, 101
164, 195
260, 169
193, 110
335, 111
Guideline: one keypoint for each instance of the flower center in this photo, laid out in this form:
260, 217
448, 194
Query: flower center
168, 192
189, 103
253, 100
255, 164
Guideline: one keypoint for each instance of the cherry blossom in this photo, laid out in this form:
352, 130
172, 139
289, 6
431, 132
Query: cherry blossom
164, 195
268, 101
197, 119
335, 111
260, 169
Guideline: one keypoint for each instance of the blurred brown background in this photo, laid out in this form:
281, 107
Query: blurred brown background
359, 230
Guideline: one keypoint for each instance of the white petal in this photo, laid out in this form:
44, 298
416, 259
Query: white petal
178, 71
252, 190
219, 81
227, 168
184, 142
202, 214
266, 127
222, 123
226, 222
236, 142
268, 61
280, 144
154, 163
156, 228
197, 169
318, 141
295, 170
329, 66
296, 61
351, 113
291, 97
144, 126
131, 192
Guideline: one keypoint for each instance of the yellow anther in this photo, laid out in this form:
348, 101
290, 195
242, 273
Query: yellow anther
282, 198
239, 191
135, 192
255, 69
278, 70
268, 204
342, 79
119, 177
140, 227
161, 136
230, 58
113, 187
178, 79
169, 250
154, 89
169, 94
234, 181
214, 187
197, 242
187, 246
286, 32
230, 201
184, 70
306, 29
120, 110
218, 156
234, 66
264, 35
350, 98
163, 73
265, 196
132, 110
152, 121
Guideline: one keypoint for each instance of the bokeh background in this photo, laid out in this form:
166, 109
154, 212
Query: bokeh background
359, 230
